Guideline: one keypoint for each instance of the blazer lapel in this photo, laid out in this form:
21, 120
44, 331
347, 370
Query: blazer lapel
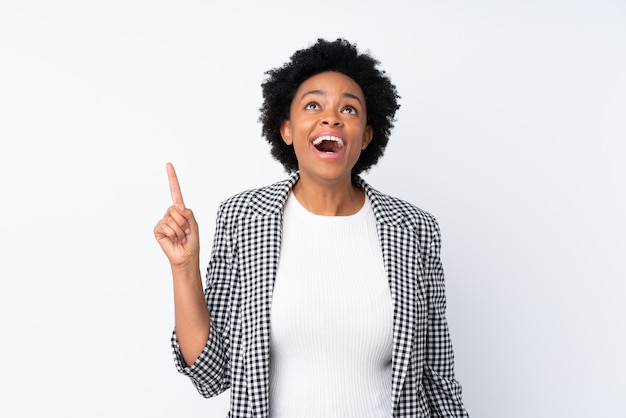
259, 233
400, 249
401, 276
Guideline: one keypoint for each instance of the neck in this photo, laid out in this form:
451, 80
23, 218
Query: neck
331, 199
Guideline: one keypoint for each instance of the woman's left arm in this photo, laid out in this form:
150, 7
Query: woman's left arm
442, 389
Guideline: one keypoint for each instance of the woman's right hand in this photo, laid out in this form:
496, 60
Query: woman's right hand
177, 232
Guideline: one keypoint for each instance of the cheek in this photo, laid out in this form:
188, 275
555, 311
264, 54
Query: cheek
299, 145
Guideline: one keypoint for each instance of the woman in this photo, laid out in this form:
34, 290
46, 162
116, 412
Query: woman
324, 297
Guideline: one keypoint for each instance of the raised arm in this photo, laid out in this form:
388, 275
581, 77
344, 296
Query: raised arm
177, 234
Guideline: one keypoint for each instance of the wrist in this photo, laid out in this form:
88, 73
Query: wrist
189, 269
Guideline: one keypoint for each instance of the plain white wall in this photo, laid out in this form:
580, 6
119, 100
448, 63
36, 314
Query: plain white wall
511, 132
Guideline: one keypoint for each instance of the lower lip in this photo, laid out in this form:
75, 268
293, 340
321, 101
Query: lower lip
329, 155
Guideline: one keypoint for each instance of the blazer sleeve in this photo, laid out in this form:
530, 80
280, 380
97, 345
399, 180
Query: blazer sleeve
210, 373
443, 392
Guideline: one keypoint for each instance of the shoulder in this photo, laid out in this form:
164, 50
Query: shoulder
263, 200
393, 210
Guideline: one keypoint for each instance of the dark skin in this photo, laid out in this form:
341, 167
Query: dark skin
177, 234
329, 104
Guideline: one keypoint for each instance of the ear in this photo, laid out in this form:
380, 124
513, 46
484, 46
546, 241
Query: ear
285, 132
368, 135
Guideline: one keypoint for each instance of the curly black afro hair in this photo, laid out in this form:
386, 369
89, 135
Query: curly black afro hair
281, 84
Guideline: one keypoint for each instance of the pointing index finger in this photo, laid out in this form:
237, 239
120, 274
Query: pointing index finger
177, 196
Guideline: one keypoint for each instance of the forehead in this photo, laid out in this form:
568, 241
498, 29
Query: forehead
330, 82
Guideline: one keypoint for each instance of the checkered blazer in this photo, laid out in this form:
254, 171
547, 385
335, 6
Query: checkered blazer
240, 280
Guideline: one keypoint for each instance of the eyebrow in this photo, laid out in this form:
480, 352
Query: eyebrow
322, 93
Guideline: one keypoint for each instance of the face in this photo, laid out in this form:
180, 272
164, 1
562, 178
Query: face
327, 127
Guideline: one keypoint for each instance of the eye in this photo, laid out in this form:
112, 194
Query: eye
349, 110
311, 106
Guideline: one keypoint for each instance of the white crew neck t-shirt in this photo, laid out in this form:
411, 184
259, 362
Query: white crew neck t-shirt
331, 319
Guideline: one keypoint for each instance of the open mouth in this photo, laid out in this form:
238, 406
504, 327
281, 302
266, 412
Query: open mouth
327, 143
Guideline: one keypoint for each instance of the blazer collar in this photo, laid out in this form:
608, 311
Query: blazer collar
271, 200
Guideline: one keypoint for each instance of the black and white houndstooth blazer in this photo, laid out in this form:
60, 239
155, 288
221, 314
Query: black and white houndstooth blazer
240, 280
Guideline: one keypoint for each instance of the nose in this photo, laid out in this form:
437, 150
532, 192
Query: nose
330, 118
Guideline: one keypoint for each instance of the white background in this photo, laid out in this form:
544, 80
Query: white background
511, 132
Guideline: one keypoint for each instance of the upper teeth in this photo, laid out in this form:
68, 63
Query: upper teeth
336, 139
